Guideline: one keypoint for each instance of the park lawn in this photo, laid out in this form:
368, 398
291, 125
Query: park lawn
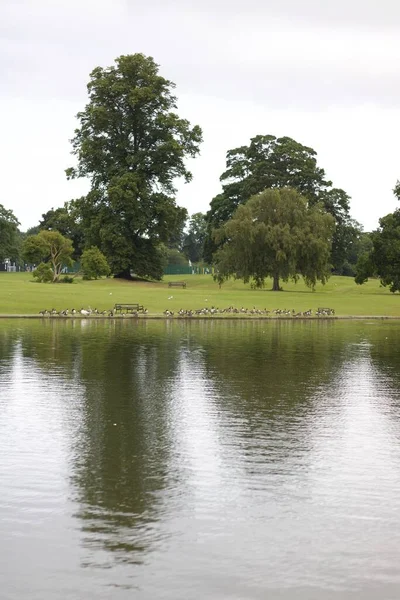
19, 294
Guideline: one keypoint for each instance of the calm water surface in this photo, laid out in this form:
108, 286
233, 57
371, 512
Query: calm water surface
199, 460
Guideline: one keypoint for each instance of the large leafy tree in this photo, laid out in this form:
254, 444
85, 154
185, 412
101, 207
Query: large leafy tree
9, 237
269, 162
193, 245
276, 234
48, 247
132, 146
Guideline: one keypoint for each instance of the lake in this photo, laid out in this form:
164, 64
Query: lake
199, 460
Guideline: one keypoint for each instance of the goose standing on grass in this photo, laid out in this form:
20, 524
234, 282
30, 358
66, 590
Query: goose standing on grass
84, 312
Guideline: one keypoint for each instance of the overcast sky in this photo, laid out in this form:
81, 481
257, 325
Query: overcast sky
325, 73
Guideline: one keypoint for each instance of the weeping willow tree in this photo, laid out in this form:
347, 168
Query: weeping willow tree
276, 234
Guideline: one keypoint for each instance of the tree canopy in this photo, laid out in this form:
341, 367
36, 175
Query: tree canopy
269, 162
64, 220
380, 255
94, 263
275, 234
9, 239
132, 146
383, 259
48, 247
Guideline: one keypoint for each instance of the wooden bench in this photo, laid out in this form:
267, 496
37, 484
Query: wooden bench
177, 284
128, 308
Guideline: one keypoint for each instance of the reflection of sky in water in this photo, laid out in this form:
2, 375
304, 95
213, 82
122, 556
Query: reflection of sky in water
35, 512
177, 463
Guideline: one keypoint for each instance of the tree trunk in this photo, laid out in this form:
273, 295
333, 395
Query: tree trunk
56, 271
275, 285
125, 274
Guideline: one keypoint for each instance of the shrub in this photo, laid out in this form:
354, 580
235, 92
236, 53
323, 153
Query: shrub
66, 279
43, 273
94, 263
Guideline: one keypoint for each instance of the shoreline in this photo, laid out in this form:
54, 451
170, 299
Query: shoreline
204, 317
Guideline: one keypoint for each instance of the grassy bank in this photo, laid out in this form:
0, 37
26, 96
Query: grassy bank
19, 294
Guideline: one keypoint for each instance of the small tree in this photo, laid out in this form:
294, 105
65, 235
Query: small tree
49, 247
276, 234
64, 220
94, 264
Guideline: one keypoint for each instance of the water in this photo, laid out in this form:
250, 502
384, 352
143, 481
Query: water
192, 460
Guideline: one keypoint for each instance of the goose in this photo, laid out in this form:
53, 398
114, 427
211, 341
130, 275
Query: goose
84, 312
73, 311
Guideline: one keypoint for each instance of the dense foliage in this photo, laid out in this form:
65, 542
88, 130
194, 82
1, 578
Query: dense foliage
132, 146
383, 260
275, 234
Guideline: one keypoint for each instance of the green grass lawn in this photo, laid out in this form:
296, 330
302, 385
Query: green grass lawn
19, 294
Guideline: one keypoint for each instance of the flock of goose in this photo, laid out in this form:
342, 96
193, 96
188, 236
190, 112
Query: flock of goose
84, 312
320, 312
209, 311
